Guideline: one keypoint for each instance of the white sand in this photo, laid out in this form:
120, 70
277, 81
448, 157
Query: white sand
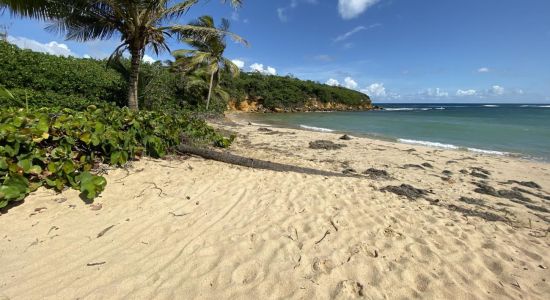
201, 229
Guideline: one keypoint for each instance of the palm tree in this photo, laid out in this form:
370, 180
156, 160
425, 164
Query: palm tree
208, 51
139, 23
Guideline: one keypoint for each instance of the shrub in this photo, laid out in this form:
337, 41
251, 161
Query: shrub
59, 148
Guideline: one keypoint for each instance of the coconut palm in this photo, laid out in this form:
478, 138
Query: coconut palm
140, 24
208, 51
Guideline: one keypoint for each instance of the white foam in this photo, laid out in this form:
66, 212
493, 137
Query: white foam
491, 105
399, 109
450, 146
430, 144
440, 108
316, 128
487, 151
537, 106
260, 124
408, 108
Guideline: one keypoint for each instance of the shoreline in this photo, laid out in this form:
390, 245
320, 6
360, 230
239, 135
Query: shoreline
240, 117
415, 222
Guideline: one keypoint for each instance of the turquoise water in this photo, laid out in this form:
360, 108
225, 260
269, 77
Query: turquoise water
500, 129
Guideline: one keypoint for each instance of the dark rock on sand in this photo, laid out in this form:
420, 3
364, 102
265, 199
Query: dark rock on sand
377, 174
481, 170
479, 175
345, 137
427, 165
349, 171
263, 129
464, 171
483, 188
481, 214
325, 145
413, 166
472, 201
406, 190
531, 193
447, 173
530, 184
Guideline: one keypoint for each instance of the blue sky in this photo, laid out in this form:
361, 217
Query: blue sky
394, 50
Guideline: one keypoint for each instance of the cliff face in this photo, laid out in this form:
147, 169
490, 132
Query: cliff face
256, 105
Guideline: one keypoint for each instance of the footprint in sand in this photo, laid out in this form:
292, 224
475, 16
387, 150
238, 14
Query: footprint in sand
348, 289
323, 265
245, 273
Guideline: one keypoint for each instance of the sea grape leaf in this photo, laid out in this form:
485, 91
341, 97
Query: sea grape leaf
91, 185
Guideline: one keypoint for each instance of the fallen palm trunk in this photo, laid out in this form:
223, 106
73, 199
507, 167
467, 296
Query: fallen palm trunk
255, 163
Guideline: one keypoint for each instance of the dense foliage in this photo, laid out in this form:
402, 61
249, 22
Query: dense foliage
288, 91
47, 80
60, 148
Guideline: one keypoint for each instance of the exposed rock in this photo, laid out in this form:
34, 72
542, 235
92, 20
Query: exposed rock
447, 173
413, 166
263, 129
530, 184
377, 174
349, 171
406, 190
472, 201
345, 137
325, 145
481, 170
427, 165
475, 213
479, 175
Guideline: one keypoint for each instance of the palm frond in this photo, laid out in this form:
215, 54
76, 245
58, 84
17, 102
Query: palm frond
203, 33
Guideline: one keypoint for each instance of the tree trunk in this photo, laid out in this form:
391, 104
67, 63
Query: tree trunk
133, 103
256, 163
210, 90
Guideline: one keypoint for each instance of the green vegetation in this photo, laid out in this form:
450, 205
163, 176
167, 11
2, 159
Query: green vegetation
140, 23
59, 148
207, 53
289, 92
47, 80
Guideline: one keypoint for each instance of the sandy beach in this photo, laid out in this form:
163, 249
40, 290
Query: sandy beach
474, 227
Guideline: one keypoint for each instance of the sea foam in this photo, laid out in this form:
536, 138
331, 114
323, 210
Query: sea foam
450, 146
320, 129
430, 144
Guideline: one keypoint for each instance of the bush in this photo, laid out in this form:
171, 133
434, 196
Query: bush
59, 148
289, 92
40, 73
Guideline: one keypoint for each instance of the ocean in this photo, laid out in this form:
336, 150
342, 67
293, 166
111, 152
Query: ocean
499, 129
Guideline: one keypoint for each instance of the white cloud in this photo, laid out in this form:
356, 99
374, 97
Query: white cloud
332, 82
53, 47
148, 59
350, 83
496, 90
375, 90
86, 56
355, 30
281, 14
464, 93
239, 63
437, 92
256, 67
350, 9
483, 70
271, 71
323, 58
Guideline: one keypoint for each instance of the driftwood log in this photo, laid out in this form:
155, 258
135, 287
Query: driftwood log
255, 163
